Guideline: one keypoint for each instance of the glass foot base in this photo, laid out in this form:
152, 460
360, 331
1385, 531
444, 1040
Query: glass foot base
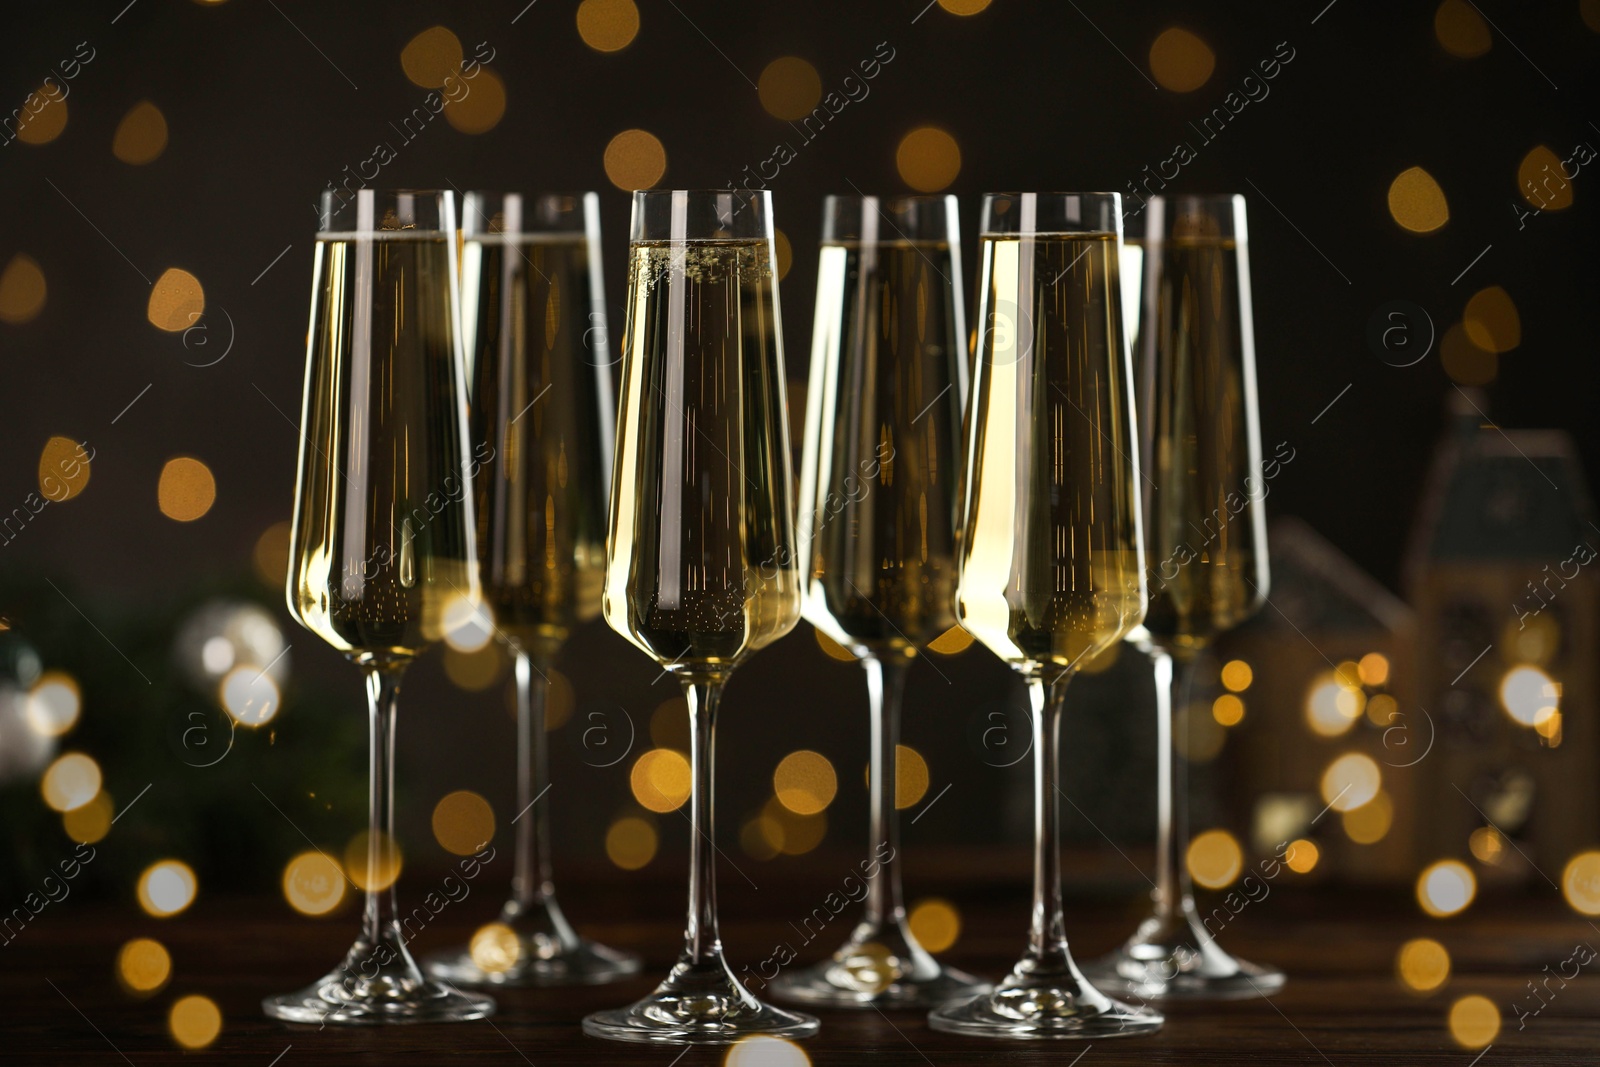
698, 1005
1030, 1004
1182, 972
535, 964
345, 998
870, 974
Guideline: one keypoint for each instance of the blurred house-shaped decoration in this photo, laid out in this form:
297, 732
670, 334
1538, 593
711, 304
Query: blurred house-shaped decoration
1330, 672
1501, 570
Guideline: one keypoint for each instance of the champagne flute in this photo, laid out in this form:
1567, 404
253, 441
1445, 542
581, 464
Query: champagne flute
1052, 561
878, 527
1206, 545
701, 566
540, 402
383, 561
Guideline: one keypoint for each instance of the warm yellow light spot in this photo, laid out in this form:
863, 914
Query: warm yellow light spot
910, 776
143, 965
608, 25
374, 869
463, 822
1549, 728
63, 469
483, 106
1350, 781
431, 56
166, 888
964, 7
1417, 202
92, 821
789, 833
783, 252
313, 883
22, 290
760, 1050
468, 622
1237, 676
1369, 824
559, 700
1474, 1021
70, 782
1196, 734
1531, 639
804, 782
952, 642
1422, 964
1348, 674
1102, 660
1445, 888
495, 948
475, 671
42, 116
631, 842
1491, 320
271, 555
1327, 706
1302, 856
1228, 710
187, 489
935, 923
1373, 669
1529, 695
1486, 844
1180, 61
660, 780
177, 301
250, 696
832, 648
789, 88
635, 159
141, 136
1464, 360
669, 724
928, 159
1461, 30
1589, 10
1214, 859
194, 1021
1580, 882
1543, 181
1382, 710
53, 704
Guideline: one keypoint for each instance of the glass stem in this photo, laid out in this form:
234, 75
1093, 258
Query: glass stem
886, 681
1047, 938
1173, 679
383, 695
702, 942
530, 876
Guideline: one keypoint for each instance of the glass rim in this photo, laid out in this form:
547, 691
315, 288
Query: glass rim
341, 212
579, 210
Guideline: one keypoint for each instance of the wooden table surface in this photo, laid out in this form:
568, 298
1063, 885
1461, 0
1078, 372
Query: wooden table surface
1342, 1005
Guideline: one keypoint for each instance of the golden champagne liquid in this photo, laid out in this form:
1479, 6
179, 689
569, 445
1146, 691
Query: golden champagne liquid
535, 336
1051, 556
1207, 538
702, 568
882, 451
382, 553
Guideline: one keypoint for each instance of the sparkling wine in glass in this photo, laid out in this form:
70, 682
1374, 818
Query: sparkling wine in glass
1206, 546
878, 528
382, 555
701, 562
1052, 561
541, 412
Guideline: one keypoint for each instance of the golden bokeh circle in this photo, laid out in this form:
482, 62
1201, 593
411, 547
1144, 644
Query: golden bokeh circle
631, 842
1422, 964
763, 1050
805, 782
384, 868
635, 159
1373, 668
1460, 29
783, 252
177, 300
1369, 824
965, 7
910, 776
271, 555
463, 822
1180, 61
1491, 320
1302, 855
141, 136
1464, 360
313, 883
669, 724
187, 489
660, 780
1237, 676
166, 888
63, 469
928, 159
1474, 1021
143, 965
1446, 888
91, 822
495, 948
1417, 202
935, 923
1228, 710
608, 25
431, 56
1350, 781
194, 1021
476, 671
1589, 11
22, 290
789, 88
1542, 180
1214, 859
1580, 882
70, 782
483, 106
43, 117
